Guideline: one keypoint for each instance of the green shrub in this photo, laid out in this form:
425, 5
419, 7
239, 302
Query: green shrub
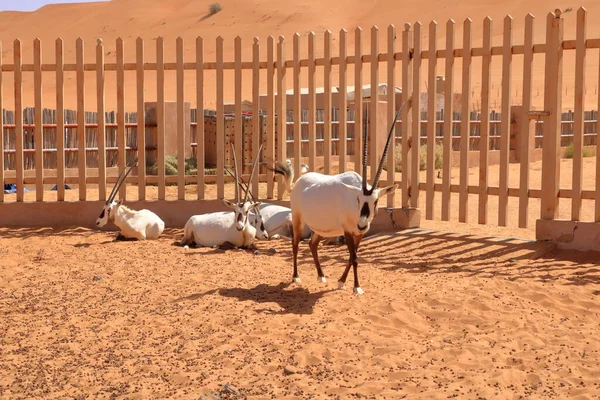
214, 8
570, 150
191, 166
439, 152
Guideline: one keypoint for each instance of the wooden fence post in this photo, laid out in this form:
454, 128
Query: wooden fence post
552, 104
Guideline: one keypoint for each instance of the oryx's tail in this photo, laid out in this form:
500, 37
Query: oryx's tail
286, 171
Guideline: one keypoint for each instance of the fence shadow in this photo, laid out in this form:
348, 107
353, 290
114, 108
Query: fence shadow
435, 252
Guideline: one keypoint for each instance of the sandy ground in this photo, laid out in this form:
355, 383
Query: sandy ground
444, 315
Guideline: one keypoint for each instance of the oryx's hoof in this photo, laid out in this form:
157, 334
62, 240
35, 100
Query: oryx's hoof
358, 290
322, 279
341, 285
297, 280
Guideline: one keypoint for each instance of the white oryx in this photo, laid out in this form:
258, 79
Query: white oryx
141, 225
342, 204
219, 228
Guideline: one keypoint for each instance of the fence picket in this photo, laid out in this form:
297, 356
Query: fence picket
100, 75
141, 119
2, 121
343, 104
431, 120
81, 137
358, 100
60, 121
200, 149
297, 105
18, 79
256, 137
391, 110
238, 142
505, 123
406, 114
160, 115
220, 122
465, 126
484, 140
270, 113
39, 129
281, 110
415, 139
327, 103
180, 120
448, 120
580, 53
374, 101
527, 124
312, 110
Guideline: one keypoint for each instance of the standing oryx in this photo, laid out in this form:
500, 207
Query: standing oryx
342, 204
141, 225
216, 229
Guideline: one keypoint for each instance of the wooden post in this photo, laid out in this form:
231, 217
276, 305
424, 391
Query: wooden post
580, 52
406, 114
552, 103
81, 155
141, 119
527, 126
431, 120
448, 120
465, 124
343, 105
505, 123
2, 131
39, 127
327, 103
60, 121
101, 119
484, 141
391, 110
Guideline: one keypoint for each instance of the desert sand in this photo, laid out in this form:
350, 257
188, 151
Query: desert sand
444, 316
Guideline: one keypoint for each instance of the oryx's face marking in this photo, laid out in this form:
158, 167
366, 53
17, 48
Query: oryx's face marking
257, 222
240, 211
366, 204
105, 215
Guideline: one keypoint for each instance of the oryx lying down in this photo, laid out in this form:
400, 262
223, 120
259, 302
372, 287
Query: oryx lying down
342, 204
141, 225
219, 228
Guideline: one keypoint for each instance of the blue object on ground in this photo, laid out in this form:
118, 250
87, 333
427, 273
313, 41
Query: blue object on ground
12, 188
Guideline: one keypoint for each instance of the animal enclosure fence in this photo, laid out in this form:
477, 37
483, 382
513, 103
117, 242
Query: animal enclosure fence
309, 133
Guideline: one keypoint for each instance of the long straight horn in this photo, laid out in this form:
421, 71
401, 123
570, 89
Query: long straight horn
240, 182
365, 157
237, 190
120, 183
386, 148
252, 173
113, 192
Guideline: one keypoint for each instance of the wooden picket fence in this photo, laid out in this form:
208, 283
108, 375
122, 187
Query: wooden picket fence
331, 139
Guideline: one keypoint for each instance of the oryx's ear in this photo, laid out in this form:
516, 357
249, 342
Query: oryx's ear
386, 190
256, 204
229, 204
358, 191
